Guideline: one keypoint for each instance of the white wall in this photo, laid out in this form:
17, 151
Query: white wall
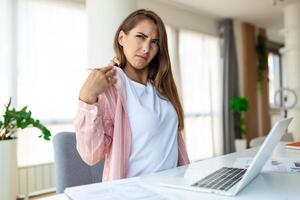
181, 18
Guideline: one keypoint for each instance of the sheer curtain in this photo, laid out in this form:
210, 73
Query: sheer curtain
174, 56
200, 83
51, 57
51, 66
7, 11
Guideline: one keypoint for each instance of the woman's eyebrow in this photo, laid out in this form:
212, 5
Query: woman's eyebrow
143, 34
146, 36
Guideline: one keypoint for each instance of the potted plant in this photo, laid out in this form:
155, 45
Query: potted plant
262, 59
10, 122
240, 106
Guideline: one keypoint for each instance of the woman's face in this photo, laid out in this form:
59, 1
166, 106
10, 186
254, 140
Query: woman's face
140, 44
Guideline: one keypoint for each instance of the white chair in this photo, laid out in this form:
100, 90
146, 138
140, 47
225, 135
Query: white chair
288, 137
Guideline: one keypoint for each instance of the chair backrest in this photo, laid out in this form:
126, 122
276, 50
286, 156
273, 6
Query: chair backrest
287, 137
71, 170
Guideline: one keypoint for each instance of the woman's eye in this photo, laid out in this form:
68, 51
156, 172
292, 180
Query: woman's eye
156, 43
140, 37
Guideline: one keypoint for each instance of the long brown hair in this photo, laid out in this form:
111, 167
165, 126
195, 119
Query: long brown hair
160, 73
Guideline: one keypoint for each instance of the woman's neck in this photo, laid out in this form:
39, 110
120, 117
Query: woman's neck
138, 75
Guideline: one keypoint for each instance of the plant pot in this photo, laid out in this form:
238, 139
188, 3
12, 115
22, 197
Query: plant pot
240, 144
8, 169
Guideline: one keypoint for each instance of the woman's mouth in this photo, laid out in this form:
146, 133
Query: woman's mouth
143, 57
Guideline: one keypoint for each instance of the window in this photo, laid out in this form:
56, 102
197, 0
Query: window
275, 72
51, 58
275, 76
50, 54
201, 92
6, 28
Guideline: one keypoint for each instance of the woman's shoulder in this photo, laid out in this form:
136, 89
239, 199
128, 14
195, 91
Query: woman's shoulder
121, 77
119, 87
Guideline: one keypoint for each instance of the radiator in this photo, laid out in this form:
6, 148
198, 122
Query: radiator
36, 179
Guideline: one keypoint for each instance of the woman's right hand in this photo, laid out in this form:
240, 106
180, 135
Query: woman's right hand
96, 83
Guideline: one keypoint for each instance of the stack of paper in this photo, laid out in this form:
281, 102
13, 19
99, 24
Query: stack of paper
114, 190
274, 165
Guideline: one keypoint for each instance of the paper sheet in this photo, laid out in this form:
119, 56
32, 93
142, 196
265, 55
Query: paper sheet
275, 165
124, 190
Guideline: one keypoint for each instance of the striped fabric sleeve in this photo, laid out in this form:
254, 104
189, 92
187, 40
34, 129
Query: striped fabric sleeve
94, 130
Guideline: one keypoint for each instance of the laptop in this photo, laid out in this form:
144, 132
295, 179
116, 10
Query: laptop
228, 180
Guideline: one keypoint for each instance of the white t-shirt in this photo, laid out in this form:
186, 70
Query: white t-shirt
154, 125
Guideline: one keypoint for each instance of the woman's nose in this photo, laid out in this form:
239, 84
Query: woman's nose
146, 47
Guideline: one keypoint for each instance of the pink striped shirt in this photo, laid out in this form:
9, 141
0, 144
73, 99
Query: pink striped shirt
102, 130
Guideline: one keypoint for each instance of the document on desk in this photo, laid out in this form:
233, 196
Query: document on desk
123, 190
274, 165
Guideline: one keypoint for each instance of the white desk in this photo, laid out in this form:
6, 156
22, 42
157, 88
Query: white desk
267, 185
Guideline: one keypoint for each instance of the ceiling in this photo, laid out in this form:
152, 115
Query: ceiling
262, 13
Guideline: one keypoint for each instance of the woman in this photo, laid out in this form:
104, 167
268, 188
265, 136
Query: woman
131, 114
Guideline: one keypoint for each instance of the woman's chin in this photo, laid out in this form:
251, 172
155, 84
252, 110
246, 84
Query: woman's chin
139, 65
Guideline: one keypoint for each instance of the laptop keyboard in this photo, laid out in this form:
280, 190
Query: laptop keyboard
222, 179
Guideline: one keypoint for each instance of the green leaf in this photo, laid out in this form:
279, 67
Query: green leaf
242, 122
22, 119
24, 109
239, 104
262, 57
